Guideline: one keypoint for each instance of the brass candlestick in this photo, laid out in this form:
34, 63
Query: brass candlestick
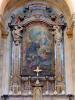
29, 82
47, 85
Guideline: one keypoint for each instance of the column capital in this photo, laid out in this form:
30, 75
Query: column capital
71, 26
4, 34
70, 31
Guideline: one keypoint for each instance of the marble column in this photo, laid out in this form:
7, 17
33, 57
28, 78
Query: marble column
0, 64
4, 58
73, 52
68, 62
15, 60
5, 65
1, 54
59, 60
16, 68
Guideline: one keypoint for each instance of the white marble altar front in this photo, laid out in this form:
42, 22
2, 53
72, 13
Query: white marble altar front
23, 97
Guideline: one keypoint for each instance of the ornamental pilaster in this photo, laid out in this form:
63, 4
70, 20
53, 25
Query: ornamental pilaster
73, 51
4, 34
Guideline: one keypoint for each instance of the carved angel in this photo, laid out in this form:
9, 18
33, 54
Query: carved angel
17, 34
58, 34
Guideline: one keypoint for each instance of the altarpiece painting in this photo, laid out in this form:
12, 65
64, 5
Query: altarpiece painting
37, 50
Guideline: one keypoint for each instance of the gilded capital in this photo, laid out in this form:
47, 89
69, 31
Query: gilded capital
71, 26
70, 31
